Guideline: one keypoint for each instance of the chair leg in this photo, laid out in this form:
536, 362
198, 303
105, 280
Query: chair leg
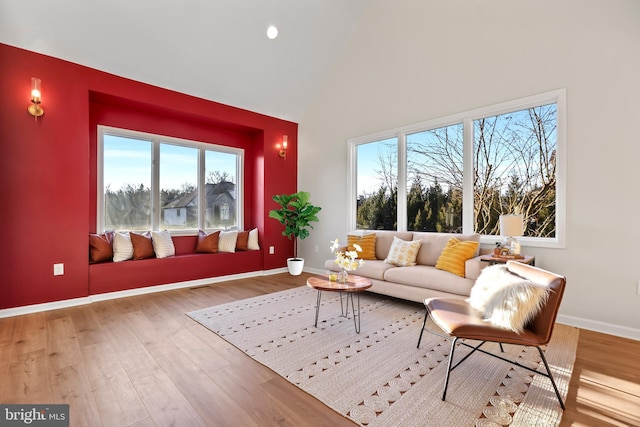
426, 314
546, 365
446, 380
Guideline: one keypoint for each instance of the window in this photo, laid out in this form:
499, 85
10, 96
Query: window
154, 182
434, 179
377, 185
515, 169
127, 183
460, 173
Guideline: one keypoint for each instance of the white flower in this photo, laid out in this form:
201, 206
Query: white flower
347, 260
334, 246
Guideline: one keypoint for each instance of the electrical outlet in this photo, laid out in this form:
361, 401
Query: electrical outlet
58, 269
317, 249
272, 250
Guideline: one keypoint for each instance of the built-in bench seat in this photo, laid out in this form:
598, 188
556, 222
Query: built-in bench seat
186, 265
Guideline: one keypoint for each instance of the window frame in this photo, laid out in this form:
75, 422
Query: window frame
156, 140
467, 118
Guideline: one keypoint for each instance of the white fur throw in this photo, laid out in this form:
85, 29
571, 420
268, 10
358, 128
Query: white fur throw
505, 299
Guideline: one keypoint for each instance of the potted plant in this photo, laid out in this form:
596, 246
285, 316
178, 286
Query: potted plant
296, 214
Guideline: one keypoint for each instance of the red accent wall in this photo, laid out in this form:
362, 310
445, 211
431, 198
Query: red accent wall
48, 166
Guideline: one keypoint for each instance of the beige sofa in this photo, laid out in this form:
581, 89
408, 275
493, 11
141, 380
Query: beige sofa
423, 280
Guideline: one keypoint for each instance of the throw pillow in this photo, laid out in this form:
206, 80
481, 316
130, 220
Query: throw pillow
403, 253
455, 254
227, 241
162, 244
253, 240
207, 243
142, 246
122, 247
242, 241
100, 247
505, 299
366, 242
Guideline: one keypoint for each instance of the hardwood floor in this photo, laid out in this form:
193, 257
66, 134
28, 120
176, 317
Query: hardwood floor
140, 361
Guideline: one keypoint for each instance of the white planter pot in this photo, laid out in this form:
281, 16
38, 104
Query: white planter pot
295, 266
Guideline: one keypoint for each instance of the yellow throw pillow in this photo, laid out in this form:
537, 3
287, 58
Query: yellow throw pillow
366, 242
403, 253
455, 254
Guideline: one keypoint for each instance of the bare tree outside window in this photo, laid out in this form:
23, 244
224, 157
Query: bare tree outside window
377, 185
514, 172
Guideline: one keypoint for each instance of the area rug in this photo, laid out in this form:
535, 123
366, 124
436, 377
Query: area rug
379, 377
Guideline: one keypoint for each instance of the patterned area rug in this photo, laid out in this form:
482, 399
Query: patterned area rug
379, 377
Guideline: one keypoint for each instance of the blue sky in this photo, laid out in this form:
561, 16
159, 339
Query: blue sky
128, 161
369, 162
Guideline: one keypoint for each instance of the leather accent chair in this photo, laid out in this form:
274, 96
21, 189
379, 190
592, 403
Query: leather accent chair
459, 321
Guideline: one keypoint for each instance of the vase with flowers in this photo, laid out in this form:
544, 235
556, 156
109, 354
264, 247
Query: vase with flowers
346, 260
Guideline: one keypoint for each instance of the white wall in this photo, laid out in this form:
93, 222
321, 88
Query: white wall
410, 61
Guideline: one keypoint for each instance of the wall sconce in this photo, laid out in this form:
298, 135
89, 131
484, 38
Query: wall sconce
283, 148
36, 98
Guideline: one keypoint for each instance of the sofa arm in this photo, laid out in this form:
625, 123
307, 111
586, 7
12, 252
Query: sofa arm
330, 264
473, 267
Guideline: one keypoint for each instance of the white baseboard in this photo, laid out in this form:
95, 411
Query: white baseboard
605, 328
35, 308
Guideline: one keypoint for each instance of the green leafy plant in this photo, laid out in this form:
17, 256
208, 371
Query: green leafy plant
296, 214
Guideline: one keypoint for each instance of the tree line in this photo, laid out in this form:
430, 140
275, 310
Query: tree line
129, 207
514, 173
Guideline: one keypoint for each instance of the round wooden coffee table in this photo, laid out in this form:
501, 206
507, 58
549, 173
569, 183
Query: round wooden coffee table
355, 285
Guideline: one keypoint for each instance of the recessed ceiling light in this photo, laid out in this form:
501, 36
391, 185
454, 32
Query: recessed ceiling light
272, 32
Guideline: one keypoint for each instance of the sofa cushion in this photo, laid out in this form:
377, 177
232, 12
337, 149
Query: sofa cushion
367, 242
227, 241
253, 244
162, 244
122, 247
455, 255
384, 239
207, 243
434, 243
242, 241
142, 245
428, 277
403, 253
100, 247
374, 269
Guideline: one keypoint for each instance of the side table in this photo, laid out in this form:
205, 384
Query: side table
491, 259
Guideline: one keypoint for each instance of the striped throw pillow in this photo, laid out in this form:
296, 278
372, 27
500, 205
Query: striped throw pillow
227, 242
162, 244
253, 240
122, 247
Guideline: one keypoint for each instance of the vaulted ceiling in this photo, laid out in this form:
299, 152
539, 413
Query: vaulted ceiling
213, 49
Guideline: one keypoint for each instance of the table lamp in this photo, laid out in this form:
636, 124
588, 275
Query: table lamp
512, 226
